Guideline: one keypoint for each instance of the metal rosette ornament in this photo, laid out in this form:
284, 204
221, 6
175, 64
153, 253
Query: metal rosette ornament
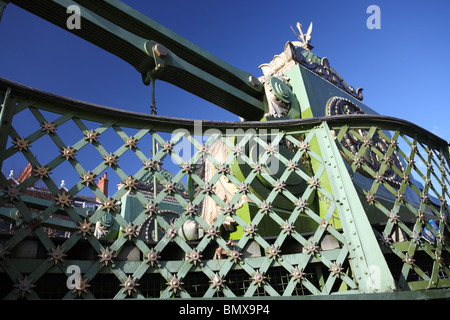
278, 94
343, 106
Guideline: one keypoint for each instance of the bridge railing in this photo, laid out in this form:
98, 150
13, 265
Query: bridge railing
402, 173
214, 209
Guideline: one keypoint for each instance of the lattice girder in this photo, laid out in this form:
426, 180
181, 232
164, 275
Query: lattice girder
417, 200
323, 239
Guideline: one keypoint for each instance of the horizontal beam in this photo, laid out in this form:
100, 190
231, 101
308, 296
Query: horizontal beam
95, 112
137, 23
124, 32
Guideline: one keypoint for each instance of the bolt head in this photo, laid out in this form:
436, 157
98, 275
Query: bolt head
160, 50
254, 81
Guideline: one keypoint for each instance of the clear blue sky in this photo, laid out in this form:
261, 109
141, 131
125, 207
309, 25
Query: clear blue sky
403, 67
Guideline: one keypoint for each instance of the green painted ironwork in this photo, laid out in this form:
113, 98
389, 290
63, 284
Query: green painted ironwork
133, 37
333, 236
335, 206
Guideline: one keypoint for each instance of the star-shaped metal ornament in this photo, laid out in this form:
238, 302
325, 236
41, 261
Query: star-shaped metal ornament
287, 227
203, 148
336, 270
370, 197
416, 238
257, 168
407, 179
421, 217
359, 161
270, 149
131, 142
229, 209
110, 159
84, 227
442, 237
42, 172
168, 147
175, 284
439, 258
250, 230
298, 274
273, 252
312, 248
258, 278
401, 197
292, 165
187, 167
12, 192
151, 208
152, 257
394, 217
170, 187
194, 257
314, 183
208, 188
82, 287
68, 153
217, 281
279, 185
385, 239
21, 144
409, 260
237, 150
57, 254
152, 165
91, 135
130, 231
304, 145
190, 209
223, 168
212, 232
379, 178
24, 286
244, 188
63, 199
265, 206
106, 256
129, 285
234, 255
301, 205
48, 127
130, 183
88, 178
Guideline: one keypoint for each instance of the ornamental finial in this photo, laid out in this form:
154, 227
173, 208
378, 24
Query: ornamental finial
304, 38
